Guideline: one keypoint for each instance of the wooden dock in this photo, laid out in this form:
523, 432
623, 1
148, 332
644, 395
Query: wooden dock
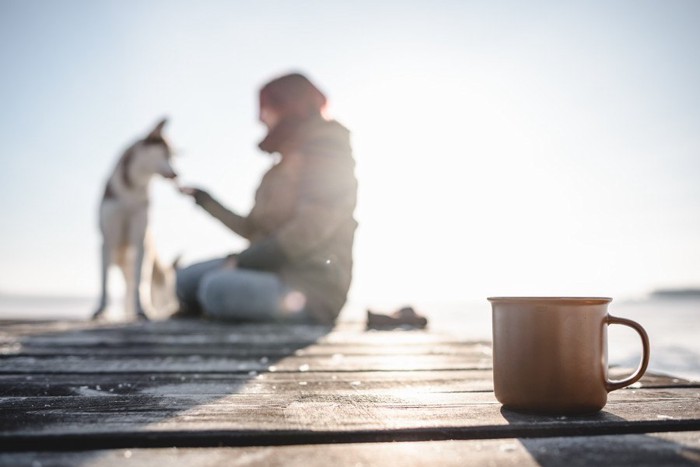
202, 393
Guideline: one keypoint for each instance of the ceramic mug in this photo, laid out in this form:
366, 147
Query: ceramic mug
550, 353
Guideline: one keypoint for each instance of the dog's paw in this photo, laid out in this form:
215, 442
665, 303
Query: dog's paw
98, 314
142, 316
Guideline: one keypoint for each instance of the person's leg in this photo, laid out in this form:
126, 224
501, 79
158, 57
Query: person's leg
188, 280
247, 295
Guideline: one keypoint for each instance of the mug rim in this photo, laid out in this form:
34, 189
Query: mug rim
563, 300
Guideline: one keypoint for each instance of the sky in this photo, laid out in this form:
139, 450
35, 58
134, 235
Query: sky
502, 148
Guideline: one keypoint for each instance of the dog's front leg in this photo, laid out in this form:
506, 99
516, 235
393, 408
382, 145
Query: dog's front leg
138, 235
104, 298
138, 273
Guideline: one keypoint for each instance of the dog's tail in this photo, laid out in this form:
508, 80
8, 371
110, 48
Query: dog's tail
163, 283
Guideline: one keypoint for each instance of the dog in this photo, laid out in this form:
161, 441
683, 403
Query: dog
123, 220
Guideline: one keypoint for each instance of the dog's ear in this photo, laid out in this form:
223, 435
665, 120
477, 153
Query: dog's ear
158, 130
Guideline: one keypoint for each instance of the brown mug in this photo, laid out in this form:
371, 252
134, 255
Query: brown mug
550, 354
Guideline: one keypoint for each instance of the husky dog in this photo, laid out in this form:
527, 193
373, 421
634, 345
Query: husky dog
124, 227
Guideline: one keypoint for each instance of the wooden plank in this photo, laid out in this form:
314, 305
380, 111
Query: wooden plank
197, 363
338, 363
22, 385
225, 384
677, 449
31, 348
163, 333
209, 333
305, 412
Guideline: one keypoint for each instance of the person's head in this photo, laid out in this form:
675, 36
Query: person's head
290, 96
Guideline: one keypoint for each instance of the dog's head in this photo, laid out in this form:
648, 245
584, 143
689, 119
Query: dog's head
154, 154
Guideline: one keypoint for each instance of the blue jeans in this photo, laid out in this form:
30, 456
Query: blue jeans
239, 294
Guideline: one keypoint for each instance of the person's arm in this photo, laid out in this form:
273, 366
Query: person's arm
239, 224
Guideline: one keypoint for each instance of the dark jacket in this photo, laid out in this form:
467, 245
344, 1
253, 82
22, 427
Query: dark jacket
302, 225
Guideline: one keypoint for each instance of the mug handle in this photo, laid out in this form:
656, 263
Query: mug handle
613, 385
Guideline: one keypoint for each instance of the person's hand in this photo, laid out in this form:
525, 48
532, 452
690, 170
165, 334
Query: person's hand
200, 196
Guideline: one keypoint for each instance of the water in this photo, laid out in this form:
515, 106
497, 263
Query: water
45, 307
673, 325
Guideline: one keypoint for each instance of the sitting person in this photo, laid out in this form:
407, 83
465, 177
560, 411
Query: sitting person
298, 266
